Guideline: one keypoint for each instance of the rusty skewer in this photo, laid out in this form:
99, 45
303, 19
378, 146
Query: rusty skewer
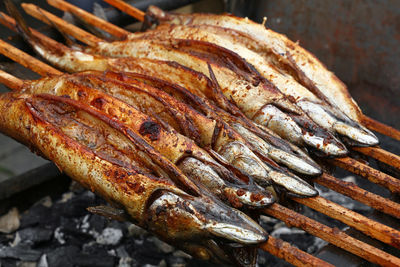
274, 246
26, 60
353, 191
81, 35
381, 155
368, 172
10, 81
332, 235
379, 127
89, 18
134, 12
322, 203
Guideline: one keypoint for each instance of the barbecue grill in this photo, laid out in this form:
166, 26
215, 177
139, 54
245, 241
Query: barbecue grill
385, 232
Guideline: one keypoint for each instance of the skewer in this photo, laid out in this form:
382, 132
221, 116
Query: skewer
26, 60
49, 18
369, 227
10, 81
291, 254
274, 246
368, 172
128, 9
374, 229
11, 24
332, 235
76, 32
89, 18
379, 127
353, 191
381, 155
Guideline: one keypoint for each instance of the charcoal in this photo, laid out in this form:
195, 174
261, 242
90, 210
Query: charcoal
93, 248
109, 236
161, 245
302, 241
176, 262
73, 256
76, 206
35, 215
8, 263
126, 262
95, 260
121, 252
147, 253
20, 252
35, 235
43, 261
97, 223
72, 235
61, 256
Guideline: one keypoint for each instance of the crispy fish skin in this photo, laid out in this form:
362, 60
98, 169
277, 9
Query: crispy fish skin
155, 203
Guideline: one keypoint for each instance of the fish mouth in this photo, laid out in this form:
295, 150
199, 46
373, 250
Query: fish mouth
333, 119
295, 163
333, 147
258, 198
293, 184
360, 135
237, 233
202, 217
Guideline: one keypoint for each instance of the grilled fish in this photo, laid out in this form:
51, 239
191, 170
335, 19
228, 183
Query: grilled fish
289, 58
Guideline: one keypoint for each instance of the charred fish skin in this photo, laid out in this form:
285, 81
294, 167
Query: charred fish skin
32, 121
269, 44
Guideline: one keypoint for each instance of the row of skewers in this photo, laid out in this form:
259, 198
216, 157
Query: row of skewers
184, 124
